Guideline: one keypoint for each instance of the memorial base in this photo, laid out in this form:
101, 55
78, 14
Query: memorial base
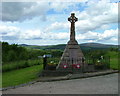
64, 72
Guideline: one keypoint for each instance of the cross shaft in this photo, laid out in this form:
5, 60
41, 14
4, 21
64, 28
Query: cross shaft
72, 19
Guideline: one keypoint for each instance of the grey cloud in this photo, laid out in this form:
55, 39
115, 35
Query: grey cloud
10, 38
4, 33
106, 38
11, 11
95, 15
20, 11
36, 38
89, 39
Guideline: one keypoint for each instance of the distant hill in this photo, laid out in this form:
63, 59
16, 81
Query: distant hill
24, 45
83, 46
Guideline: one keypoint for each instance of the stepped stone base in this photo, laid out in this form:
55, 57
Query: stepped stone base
58, 72
64, 72
55, 73
72, 55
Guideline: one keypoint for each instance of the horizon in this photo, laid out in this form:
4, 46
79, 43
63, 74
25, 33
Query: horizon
62, 44
45, 23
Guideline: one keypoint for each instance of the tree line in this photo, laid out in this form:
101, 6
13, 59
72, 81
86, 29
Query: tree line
14, 52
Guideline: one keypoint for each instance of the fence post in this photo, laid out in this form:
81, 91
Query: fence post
109, 62
44, 62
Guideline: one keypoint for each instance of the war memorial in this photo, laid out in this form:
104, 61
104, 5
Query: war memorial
72, 60
72, 57
72, 65
37, 59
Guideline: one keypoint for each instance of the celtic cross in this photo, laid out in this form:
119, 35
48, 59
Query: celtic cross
72, 19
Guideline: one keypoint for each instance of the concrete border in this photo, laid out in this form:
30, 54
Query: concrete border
67, 77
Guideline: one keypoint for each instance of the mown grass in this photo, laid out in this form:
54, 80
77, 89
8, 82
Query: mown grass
114, 63
20, 76
113, 59
20, 64
1, 80
24, 75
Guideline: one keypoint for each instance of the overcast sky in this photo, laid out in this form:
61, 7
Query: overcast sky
46, 23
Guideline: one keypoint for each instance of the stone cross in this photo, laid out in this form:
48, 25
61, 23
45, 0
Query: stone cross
72, 55
72, 19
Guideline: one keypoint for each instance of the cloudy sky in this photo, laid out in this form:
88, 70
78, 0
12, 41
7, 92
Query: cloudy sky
45, 23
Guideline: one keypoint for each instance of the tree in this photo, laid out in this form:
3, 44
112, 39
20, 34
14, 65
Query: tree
11, 56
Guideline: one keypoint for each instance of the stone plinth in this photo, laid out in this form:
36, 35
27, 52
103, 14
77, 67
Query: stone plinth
72, 57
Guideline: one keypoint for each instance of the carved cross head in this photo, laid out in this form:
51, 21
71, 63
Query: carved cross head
72, 18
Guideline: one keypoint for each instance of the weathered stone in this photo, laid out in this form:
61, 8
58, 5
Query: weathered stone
72, 53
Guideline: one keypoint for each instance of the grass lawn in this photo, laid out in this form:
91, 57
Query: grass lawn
20, 76
1, 80
9, 66
114, 63
114, 56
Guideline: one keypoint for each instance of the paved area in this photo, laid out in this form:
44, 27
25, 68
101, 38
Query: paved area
107, 84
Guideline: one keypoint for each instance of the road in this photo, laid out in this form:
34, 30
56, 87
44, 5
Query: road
107, 84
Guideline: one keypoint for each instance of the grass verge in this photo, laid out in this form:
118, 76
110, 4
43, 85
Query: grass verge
114, 63
20, 76
9, 66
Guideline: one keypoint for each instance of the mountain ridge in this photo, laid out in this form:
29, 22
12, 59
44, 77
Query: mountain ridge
84, 46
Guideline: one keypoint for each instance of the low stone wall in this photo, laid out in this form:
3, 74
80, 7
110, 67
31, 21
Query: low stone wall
62, 72
89, 68
55, 73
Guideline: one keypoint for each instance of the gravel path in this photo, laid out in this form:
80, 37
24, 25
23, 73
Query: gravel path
107, 84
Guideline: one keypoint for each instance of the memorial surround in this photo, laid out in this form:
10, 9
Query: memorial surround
72, 57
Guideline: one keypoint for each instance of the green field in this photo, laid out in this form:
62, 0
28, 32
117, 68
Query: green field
21, 64
24, 75
20, 76
114, 63
113, 59
8, 66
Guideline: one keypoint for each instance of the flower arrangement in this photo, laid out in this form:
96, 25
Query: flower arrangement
52, 63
